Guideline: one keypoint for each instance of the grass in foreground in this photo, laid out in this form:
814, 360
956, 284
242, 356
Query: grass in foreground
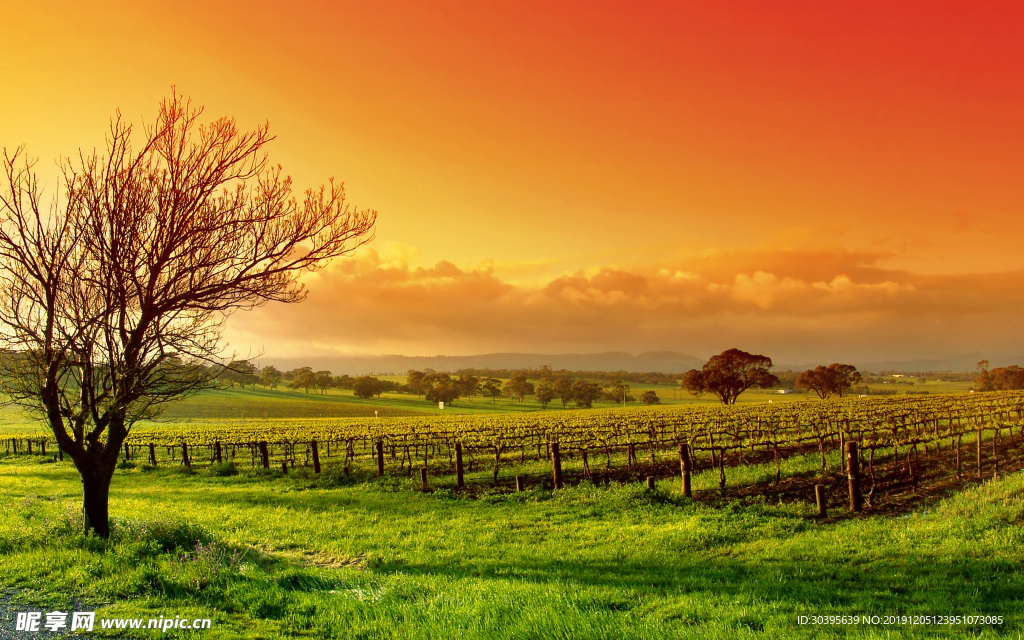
332, 557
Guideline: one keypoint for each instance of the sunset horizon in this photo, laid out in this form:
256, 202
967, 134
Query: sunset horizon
802, 181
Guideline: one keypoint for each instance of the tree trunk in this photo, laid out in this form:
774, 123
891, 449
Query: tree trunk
96, 462
95, 499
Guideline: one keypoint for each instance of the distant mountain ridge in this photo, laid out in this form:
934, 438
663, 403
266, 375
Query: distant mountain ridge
651, 361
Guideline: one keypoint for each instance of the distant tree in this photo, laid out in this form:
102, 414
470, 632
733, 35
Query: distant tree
444, 391
562, 389
584, 393
545, 394
367, 387
518, 387
729, 374
270, 377
836, 379
650, 397
984, 381
1009, 378
438, 387
323, 380
843, 377
344, 381
240, 372
415, 381
491, 388
816, 380
303, 378
468, 385
618, 393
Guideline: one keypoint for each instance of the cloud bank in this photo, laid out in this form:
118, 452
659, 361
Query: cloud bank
792, 305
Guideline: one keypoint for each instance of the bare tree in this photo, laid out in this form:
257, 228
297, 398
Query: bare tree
114, 297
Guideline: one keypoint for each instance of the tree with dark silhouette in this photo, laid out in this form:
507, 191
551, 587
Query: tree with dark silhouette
303, 378
367, 387
270, 377
584, 393
114, 297
518, 387
545, 394
650, 397
729, 374
563, 390
1009, 378
835, 379
491, 388
323, 380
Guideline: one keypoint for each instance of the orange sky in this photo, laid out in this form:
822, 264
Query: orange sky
810, 180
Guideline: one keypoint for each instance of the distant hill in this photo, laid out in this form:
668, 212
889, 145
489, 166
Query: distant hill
651, 361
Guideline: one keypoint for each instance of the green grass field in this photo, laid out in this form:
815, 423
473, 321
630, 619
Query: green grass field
332, 556
336, 557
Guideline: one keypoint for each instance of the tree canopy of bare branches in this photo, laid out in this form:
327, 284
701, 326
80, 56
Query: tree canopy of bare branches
115, 294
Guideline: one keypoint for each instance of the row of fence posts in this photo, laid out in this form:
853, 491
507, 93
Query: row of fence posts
685, 464
685, 467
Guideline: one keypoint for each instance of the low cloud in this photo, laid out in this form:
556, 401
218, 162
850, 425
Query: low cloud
791, 305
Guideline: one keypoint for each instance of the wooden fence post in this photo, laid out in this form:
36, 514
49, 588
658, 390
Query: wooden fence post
995, 452
686, 466
284, 467
979, 452
264, 454
127, 453
853, 474
380, 457
979, 449
721, 470
316, 456
519, 483
423, 479
217, 452
460, 481
819, 497
184, 454
556, 465
958, 465
650, 483
152, 454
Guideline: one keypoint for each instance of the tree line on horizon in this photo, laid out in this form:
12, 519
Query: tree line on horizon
725, 376
1009, 378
